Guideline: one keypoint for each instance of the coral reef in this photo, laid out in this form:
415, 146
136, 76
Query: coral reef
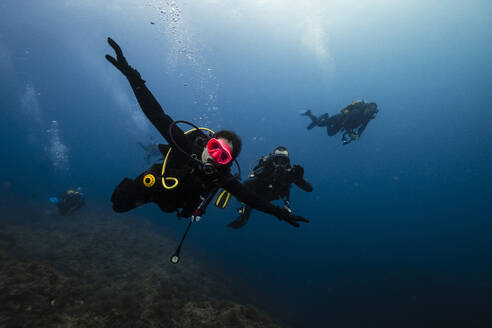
99, 270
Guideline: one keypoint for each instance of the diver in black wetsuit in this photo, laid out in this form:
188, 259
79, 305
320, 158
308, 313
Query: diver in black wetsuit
152, 149
352, 120
69, 201
195, 168
271, 179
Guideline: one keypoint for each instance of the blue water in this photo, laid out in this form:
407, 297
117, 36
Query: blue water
400, 224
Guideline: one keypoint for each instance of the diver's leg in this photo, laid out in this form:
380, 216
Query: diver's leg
311, 125
311, 116
244, 211
127, 196
133, 193
322, 119
314, 119
333, 125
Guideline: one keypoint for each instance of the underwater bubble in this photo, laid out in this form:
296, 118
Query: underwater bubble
30, 102
57, 150
172, 23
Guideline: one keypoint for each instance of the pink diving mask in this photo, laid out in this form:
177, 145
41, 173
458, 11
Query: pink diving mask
219, 151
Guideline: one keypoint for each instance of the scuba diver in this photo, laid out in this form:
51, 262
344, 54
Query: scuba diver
152, 149
69, 201
271, 178
195, 166
352, 120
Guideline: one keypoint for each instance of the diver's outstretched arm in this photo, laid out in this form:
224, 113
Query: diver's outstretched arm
298, 179
249, 198
151, 108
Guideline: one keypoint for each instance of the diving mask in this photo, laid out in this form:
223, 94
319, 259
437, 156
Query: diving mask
219, 151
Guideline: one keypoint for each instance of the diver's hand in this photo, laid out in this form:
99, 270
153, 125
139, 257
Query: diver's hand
297, 172
120, 62
284, 215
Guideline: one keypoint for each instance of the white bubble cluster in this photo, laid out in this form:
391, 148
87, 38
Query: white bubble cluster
202, 81
57, 150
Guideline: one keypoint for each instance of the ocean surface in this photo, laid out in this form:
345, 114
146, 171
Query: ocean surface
401, 230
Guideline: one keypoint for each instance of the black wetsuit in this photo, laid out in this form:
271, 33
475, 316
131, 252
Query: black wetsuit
352, 120
271, 179
193, 182
70, 201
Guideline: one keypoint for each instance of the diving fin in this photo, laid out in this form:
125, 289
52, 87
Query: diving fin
238, 223
242, 219
312, 125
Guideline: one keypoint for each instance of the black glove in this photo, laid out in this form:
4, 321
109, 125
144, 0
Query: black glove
285, 215
304, 185
120, 62
297, 172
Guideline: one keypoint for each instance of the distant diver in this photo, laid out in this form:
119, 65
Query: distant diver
352, 120
196, 164
271, 179
152, 150
69, 201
